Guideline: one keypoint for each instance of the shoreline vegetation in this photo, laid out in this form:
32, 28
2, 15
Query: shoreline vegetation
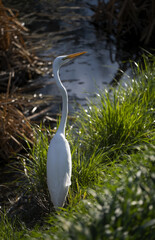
112, 145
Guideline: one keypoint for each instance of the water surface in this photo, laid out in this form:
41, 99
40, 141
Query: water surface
65, 26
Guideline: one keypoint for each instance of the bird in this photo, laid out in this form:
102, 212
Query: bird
59, 162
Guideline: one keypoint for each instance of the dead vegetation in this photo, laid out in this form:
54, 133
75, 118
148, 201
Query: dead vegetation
15, 57
14, 127
17, 65
17, 113
129, 19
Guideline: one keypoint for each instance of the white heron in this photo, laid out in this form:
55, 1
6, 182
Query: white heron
59, 164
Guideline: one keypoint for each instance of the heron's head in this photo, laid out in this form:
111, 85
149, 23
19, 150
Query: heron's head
61, 60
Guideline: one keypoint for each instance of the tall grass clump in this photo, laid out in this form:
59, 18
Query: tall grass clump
122, 118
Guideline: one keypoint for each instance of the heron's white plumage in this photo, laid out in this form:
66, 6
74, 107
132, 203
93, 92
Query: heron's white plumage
59, 165
58, 169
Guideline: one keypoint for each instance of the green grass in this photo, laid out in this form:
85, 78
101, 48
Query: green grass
8, 228
120, 119
120, 209
112, 191
34, 163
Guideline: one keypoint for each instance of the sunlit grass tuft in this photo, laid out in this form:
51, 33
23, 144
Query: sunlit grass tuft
121, 119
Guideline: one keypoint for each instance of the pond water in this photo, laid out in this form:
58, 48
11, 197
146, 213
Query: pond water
66, 28
90, 72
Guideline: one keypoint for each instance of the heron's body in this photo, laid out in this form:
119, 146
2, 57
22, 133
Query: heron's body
59, 165
59, 168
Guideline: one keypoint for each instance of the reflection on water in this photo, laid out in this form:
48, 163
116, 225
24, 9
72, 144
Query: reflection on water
68, 30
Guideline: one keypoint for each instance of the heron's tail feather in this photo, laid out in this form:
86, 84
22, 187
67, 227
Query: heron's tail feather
67, 181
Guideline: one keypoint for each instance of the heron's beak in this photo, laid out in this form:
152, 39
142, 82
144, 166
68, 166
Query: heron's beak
74, 55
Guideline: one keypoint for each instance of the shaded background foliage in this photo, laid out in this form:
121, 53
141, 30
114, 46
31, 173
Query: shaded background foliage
131, 21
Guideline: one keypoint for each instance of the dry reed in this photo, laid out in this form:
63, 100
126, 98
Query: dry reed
14, 126
129, 18
16, 112
14, 54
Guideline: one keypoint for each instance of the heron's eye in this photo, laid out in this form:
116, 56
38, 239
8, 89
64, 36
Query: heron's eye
64, 58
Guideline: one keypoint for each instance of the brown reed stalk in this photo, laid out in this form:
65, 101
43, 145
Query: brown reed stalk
15, 56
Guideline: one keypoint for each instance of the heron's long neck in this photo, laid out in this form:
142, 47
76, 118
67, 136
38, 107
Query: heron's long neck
64, 95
